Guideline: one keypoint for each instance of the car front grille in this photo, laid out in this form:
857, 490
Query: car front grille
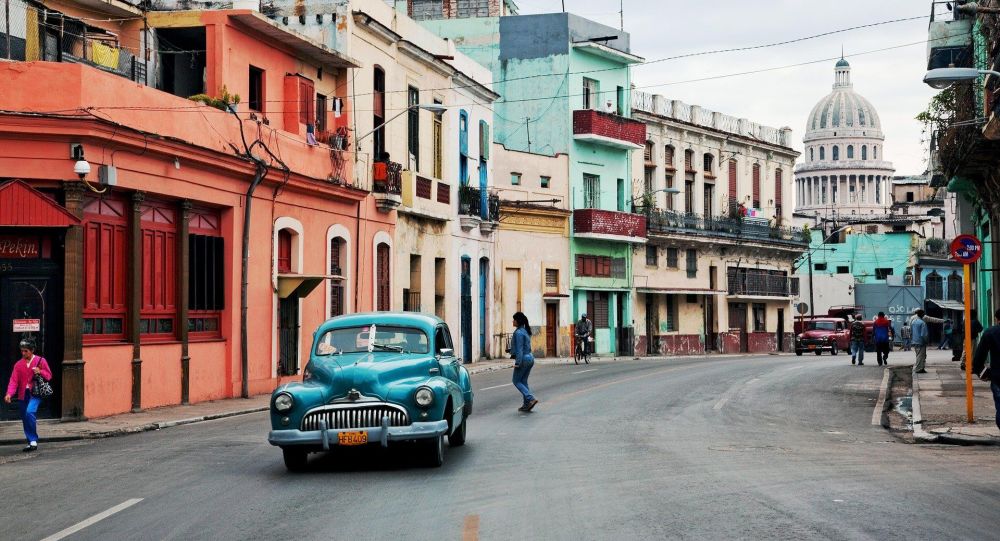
355, 416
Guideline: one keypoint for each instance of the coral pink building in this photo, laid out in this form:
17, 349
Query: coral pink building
129, 276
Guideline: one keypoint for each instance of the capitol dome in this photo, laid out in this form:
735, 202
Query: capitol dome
844, 171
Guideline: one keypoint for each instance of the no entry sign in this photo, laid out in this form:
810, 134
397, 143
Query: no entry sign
966, 249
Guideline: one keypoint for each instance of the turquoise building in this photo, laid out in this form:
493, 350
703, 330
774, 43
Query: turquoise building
870, 257
565, 86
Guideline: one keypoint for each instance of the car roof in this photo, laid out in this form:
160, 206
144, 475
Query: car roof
425, 322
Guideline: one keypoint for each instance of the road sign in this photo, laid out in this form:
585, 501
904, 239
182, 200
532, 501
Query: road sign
966, 249
803, 308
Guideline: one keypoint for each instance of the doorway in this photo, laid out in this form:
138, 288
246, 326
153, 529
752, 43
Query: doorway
484, 273
34, 297
709, 311
781, 329
288, 336
466, 319
738, 321
551, 328
652, 325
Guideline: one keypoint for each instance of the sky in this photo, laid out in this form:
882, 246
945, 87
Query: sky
890, 80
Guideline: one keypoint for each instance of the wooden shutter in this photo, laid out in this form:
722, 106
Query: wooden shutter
756, 186
284, 251
383, 292
733, 193
307, 105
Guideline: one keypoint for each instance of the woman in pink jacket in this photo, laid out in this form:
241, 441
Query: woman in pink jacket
20, 385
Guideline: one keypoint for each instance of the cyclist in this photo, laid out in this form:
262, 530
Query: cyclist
584, 331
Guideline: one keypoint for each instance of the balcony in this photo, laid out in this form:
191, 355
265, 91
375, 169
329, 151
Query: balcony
609, 225
761, 283
478, 209
668, 222
608, 129
387, 185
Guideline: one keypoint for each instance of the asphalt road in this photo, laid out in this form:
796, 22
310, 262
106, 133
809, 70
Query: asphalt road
762, 447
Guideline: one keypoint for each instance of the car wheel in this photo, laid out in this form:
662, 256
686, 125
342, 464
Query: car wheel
434, 451
798, 352
295, 459
833, 349
457, 438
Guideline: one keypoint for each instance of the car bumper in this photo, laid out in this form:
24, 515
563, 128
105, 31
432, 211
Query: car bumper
325, 438
826, 346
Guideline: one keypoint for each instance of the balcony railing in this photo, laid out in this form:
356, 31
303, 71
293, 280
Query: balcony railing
471, 202
387, 178
597, 222
761, 283
608, 129
411, 301
668, 221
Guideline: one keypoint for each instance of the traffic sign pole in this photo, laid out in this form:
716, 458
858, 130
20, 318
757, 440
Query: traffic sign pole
968, 344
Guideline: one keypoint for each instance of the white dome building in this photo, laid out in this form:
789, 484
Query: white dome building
844, 173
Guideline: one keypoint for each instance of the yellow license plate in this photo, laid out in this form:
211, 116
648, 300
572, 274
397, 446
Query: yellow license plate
352, 438
812, 346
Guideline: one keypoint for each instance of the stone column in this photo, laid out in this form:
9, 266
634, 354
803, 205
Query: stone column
135, 295
183, 286
72, 365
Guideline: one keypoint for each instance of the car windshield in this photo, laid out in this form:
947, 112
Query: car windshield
387, 338
821, 326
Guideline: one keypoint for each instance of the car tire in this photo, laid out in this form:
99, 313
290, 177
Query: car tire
798, 352
833, 349
457, 438
295, 459
433, 451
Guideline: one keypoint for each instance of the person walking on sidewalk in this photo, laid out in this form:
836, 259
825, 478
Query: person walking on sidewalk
919, 341
882, 333
520, 349
906, 333
858, 342
945, 334
989, 346
21, 378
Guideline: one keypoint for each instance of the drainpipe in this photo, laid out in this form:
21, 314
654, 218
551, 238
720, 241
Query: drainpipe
245, 263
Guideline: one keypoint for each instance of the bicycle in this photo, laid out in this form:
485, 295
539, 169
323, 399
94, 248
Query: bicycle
582, 351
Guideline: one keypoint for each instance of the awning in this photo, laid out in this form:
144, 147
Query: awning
948, 305
670, 291
23, 206
300, 285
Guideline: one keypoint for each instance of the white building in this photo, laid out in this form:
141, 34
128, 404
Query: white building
845, 175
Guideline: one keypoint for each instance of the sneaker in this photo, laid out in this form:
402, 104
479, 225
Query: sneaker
861, 364
30, 447
921, 371
852, 360
531, 404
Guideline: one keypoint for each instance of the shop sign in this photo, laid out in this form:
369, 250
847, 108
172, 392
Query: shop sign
12, 247
27, 325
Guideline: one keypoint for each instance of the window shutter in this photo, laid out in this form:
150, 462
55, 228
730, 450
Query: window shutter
733, 192
756, 186
307, 104
484, 140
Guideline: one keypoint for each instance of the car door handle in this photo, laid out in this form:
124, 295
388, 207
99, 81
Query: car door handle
435, 370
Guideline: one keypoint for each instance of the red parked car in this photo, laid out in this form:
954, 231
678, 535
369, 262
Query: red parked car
823, 334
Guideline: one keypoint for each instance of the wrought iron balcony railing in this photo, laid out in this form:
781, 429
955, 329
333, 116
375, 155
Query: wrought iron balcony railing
387, 177
475, 202
668, 221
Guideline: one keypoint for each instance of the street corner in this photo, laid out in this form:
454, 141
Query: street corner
983, 432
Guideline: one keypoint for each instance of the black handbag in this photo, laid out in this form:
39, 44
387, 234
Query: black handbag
39, 387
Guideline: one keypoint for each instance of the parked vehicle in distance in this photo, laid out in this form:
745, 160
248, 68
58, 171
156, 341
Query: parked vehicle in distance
822, 334
375, 378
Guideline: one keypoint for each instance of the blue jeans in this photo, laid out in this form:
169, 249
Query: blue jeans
29, 409
520, 379
858, 350
995, 387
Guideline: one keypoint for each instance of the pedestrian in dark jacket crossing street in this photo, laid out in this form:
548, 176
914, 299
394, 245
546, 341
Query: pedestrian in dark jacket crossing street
989, 346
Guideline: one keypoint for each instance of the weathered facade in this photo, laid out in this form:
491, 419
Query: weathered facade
715, 274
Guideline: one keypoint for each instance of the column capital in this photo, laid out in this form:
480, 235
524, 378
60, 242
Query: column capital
73, 191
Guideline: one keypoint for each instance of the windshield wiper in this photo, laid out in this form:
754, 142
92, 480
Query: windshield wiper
386, 347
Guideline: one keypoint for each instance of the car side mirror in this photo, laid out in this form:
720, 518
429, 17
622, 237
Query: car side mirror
446, 352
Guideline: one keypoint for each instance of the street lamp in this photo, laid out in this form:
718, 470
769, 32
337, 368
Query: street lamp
435, 108
942, 78
671, 191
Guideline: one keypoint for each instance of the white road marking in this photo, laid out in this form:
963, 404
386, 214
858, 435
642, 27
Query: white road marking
495, 387
582, 371
754, 380
92, 520
722, 402
880, 403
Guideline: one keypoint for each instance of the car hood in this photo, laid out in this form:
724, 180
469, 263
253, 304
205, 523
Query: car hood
371, 374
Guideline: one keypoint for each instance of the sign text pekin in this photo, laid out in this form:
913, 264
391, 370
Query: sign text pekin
18, 247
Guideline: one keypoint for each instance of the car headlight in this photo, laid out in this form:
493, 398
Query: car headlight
283, 403
424, 397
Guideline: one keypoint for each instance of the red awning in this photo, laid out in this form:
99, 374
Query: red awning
23, 206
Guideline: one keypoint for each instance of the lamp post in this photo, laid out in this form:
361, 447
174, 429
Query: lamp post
436, 108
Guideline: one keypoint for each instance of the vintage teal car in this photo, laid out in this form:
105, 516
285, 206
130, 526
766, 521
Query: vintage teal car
374, 379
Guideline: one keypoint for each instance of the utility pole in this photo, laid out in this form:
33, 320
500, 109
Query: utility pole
812, 299
621, 14
527, 126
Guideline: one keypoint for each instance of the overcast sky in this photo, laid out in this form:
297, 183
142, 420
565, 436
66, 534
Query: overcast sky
891, 80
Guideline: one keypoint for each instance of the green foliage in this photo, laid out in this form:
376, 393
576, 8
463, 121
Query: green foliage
221, 103
935, 245
806, 233
940, 111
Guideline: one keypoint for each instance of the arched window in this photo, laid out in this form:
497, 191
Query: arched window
668, 156
935, 286
708, 162
822, 153
811, 156
382, 292
285, 251
875, 152
836, 153
850, 152
689, 160
337, 268
864, 152
955, 287
756, 186
647, 153
378, 97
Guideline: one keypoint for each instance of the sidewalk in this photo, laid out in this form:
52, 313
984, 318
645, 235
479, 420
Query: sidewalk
939, 410
157, 418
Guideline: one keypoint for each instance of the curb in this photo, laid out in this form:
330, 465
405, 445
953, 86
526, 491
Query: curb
919, 434
157, 425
